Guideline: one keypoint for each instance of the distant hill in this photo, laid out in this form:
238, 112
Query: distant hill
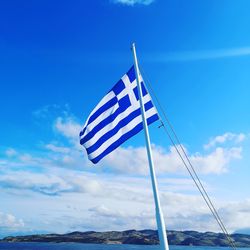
141, 237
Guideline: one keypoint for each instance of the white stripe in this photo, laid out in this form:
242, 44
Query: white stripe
105, 99
121, 132
100, 118
111, 125
110, 110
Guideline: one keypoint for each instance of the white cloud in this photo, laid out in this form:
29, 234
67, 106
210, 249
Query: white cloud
134, 160
236, 212
68, 127
131, 160
200, 55
133, 2
57, 149
121, 218
76, 200
216, 162
50, 111
10, 152
45, 184
178, 214
52, 183
67, 194
226, 137
10, 222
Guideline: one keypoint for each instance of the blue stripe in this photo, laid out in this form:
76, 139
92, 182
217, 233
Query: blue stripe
82, 132
124, 103
144, 91
119, 87
124, 137
103, 108
131, 74
143, 88
120, 125
148, 105
111, 118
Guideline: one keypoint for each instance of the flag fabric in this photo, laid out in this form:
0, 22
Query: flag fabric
116, 118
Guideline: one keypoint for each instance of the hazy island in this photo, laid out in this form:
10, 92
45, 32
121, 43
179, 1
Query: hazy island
141, 237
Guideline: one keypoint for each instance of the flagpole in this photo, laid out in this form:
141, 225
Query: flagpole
159, 217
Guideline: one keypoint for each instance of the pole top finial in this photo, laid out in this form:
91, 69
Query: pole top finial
133, 45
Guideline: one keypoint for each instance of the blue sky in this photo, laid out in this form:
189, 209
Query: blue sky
58, 59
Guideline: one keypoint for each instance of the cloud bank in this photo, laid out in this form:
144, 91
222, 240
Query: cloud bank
9, 224
66, 193
134, 160
186, 56
133, 2
227, 137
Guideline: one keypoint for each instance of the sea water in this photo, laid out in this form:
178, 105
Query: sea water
80, 246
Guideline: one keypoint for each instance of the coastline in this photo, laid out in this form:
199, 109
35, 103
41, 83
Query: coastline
137, 237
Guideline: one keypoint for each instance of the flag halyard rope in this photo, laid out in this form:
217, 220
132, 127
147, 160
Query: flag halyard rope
174, 139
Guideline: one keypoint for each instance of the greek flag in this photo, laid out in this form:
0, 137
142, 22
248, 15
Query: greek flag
116, 118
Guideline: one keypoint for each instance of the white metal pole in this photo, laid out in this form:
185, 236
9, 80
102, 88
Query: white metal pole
159, 217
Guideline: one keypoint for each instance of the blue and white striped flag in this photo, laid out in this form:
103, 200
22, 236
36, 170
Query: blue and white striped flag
116, 118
